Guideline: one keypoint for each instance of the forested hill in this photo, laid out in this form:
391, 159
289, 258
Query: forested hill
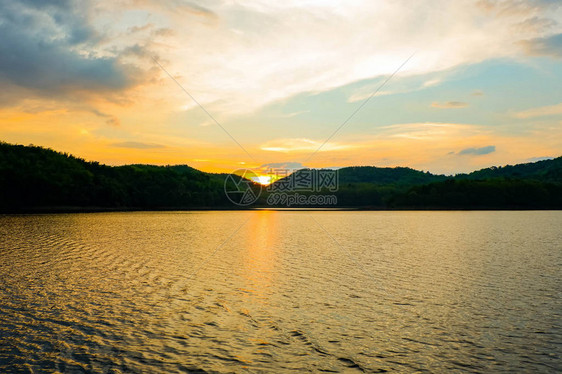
535, 185
385, 175
38, 177
545, 171
34, 178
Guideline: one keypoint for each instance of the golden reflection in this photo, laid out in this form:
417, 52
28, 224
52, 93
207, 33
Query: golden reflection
260, 252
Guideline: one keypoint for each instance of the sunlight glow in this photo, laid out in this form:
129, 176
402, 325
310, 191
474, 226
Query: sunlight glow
263, 179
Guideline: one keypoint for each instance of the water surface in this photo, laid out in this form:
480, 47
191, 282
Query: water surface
266, 291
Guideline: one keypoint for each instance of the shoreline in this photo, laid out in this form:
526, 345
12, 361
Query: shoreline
70, 210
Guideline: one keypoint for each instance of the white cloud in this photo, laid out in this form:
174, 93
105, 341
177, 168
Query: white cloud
450, 105
432, 82
543, 111
294, 114
430, 131
300, 145
364, 94
237, 56
398, 87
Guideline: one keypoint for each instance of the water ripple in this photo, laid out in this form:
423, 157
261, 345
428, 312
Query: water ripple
434, 292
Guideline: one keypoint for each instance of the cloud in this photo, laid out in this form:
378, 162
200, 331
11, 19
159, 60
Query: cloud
424, 146
137, 145
109, 119
537, 24
294, 114
236, 57
361, 96
283, 165
535, 159
546, 46
197, 10
550, 110
49, 49
432, 82
428, 131
300, 145
279, 168
399, 86
263, 52
450, 105
525, 9
478, 151
477, 93
178, 7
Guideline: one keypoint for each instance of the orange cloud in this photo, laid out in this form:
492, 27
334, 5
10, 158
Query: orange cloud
540, 111
450, 105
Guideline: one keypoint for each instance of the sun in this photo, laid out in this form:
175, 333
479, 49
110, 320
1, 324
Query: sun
262, 179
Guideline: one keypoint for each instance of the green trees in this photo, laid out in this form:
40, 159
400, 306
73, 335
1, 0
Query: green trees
535, 185
37, 177
33, 177
386, 176
495, 193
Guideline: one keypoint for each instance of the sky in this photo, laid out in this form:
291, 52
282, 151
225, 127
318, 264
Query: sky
440, 86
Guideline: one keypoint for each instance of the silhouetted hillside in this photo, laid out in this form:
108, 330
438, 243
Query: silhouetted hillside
495, 193
34, 178
546, 171
386, 176
535, 185
38, 177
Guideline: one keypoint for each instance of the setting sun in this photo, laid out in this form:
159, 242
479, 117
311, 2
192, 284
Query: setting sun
262, 179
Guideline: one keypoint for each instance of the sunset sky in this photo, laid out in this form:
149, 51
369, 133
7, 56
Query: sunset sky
483, 87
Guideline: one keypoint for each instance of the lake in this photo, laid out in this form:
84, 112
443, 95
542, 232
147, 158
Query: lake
281, 291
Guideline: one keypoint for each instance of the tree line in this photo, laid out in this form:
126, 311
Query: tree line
35, 178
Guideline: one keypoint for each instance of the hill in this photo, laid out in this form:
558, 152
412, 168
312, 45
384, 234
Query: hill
36, 179
493, 193
536, 185
545, 170
386, 175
